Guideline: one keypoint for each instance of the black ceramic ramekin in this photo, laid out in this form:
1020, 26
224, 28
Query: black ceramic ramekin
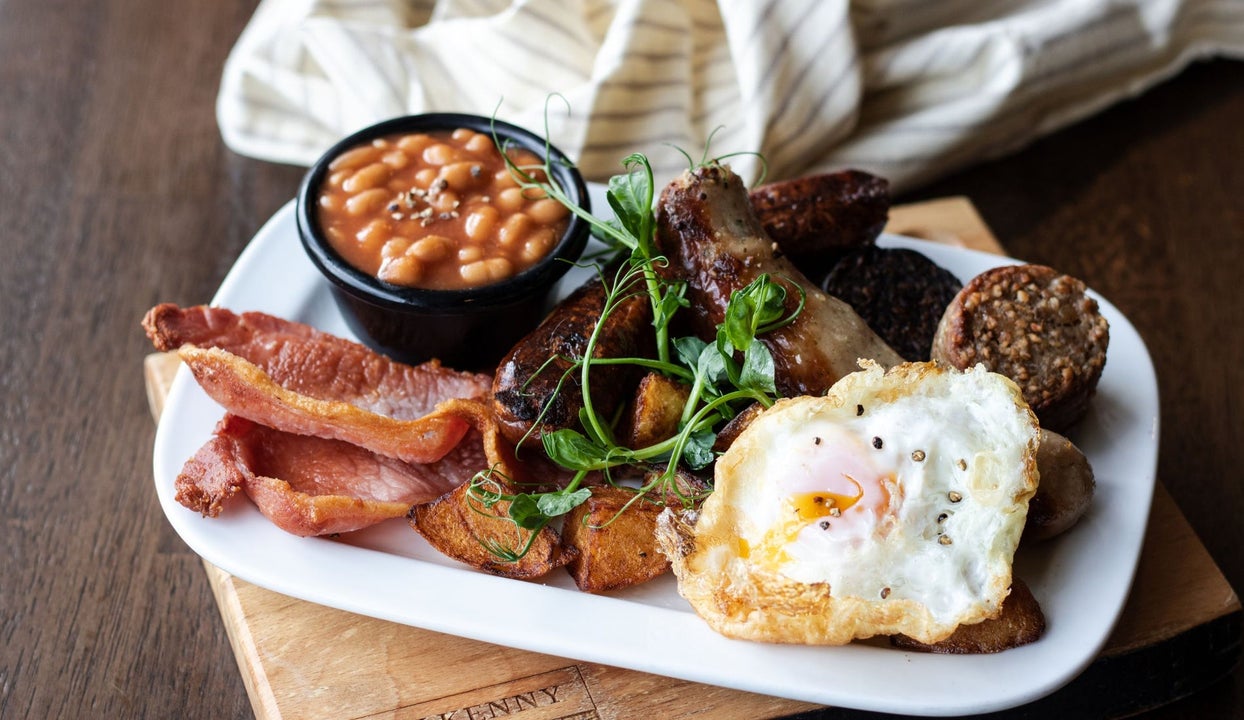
466, 329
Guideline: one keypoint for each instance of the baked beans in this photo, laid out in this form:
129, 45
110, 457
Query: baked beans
437, 211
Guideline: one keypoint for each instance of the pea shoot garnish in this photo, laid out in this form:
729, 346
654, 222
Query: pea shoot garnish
725, 376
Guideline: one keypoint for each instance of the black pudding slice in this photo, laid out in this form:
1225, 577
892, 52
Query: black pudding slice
900, 293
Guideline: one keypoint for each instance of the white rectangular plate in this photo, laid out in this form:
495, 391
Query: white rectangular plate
1081, 578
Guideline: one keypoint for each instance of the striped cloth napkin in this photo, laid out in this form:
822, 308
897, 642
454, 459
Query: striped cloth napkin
906, 89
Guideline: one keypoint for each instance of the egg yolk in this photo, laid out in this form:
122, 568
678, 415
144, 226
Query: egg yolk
836, 479
814, 505
832, 485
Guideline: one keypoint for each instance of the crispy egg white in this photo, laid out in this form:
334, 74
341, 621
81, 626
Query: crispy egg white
894, 504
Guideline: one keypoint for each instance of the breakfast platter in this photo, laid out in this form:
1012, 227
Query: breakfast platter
444, 644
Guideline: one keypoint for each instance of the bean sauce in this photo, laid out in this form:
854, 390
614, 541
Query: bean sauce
439, 211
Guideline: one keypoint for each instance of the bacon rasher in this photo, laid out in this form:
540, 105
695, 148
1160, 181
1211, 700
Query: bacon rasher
322, 434
294, 378
313, 486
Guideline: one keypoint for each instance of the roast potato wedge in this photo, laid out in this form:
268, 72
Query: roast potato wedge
655, 411
615, 548
463, 529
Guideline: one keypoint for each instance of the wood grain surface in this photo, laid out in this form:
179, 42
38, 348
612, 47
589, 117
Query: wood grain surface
116, 193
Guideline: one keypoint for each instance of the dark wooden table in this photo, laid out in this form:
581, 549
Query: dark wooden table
116, 193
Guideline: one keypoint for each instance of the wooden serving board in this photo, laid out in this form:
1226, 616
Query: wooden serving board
1180, 630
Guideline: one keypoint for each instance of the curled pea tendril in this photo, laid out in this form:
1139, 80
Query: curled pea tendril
724, 376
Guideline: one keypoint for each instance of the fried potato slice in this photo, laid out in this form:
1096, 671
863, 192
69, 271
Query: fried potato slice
463, 529
616, 547
728, 434
1020, 622
655, 411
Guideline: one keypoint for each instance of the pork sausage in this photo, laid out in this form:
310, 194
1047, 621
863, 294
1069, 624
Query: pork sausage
528, 377
707, 228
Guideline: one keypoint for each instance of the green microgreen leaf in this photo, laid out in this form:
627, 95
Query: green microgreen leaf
611, 233
735, 331
713, 367
760, 304
725, 375
688, 350
571, 449
630, 197
758, 370
698, 452
559, 503
671, 301
525, 512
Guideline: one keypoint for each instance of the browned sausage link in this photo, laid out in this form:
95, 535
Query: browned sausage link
528, 377
816, 219
709, 232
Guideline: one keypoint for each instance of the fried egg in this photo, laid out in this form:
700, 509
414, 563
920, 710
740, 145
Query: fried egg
893, 504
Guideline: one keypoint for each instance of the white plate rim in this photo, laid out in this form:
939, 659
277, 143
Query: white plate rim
653, 630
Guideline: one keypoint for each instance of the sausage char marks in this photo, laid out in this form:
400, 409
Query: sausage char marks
532, 392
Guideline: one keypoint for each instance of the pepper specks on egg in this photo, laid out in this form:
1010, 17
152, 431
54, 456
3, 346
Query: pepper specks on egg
879, 496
